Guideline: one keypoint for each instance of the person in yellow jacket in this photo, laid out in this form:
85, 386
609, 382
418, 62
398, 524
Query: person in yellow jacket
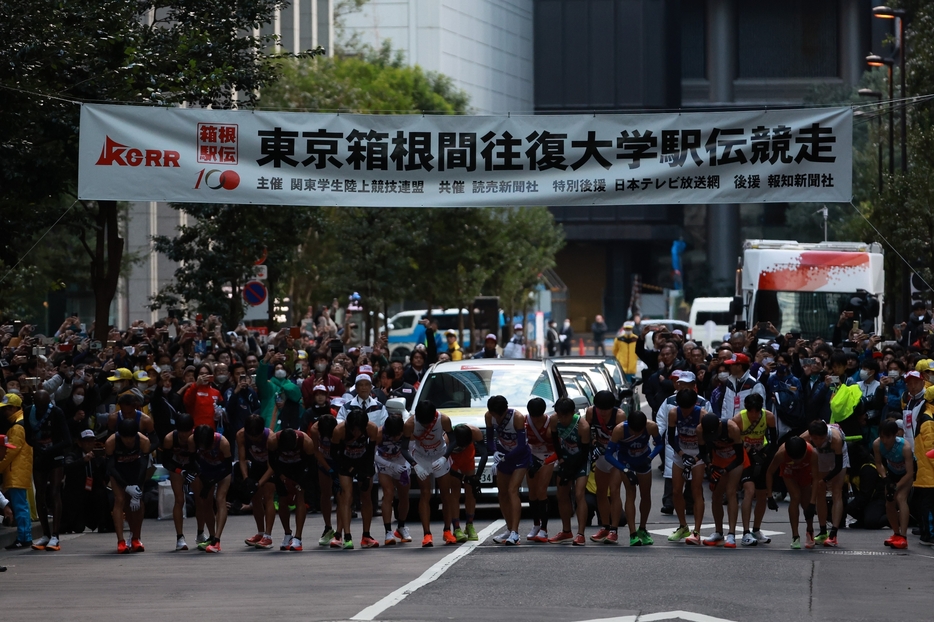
16, 469
454, 349
924, 480
624, 349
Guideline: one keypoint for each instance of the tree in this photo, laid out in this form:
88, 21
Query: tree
57, 53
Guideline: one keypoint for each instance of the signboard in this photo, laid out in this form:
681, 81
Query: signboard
257, 302
132, 153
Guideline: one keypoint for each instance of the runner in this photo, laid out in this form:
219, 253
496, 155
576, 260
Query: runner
898, 473
353, 446
686, 463
290, 456
180, 463
431, 456
468, 441
569, 435
543, 465
505, 436
328, 480
393, 476
127, 460
832, 462
212, 454
47, 432
629, 452
721, 445
757, 427
796, 461
602, 417
253, 459
128, 407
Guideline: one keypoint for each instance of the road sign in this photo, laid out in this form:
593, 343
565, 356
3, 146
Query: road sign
260, 272
254, 293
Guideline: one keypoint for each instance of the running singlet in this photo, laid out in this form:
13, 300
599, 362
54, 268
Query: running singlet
211, 460
894, 459
538, 438
633, 450
389, 448
602, 431
723, 450
180, 452
257, 449
754, 433
293, 456
126, 460
825, 453
430, 439
801, 468
569, 438
506, 433
355, 449
686, 427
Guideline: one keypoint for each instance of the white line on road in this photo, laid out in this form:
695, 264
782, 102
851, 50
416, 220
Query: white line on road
428, 576
689, 616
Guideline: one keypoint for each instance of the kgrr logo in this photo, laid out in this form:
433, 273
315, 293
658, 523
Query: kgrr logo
215, 179
122, 155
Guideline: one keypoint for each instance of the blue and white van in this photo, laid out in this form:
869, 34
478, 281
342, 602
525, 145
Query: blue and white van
405, 331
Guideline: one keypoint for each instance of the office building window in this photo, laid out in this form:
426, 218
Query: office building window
693, 39
787, 38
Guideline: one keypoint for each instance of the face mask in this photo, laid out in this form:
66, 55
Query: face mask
69, 374
661, 364
321, 368
142, 386
77, 399
865, 374
119, 386
723, 376
783, 369
281, 374
197, 361
221, 379
814, 377
894, 374
166, 389
767, 360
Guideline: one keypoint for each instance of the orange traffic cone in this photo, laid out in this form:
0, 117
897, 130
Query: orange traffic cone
580, 348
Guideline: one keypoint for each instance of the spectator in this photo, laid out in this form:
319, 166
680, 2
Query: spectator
489, 348
202, 400
321, 376
565, 337
280, 397
739, 385
16, 469
624, 349
598, 328
240, 401
515, 349
551, 338
415, 370
85, 503
454, 349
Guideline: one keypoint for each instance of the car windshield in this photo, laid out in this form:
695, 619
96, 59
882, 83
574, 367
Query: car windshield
813, 314
581, 385
613, 368
471, 388
594, 373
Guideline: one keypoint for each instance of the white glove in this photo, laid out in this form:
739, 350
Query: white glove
498, 457
421, 471
134, 504
439, 464
134, 492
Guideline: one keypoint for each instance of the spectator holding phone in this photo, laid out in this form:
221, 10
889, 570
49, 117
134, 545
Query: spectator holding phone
201, 398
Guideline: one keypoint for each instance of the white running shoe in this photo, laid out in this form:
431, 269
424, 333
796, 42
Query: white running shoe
180, 544
513, 539
749, 539
286, 542
501, 538
730, 541
405, 535
761, 537
533, 532
714, 539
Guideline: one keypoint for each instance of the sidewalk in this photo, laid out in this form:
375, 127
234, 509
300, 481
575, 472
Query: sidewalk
8, 534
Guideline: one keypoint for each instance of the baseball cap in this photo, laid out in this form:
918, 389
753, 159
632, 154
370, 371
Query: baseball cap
87, 433
6, 444
677, 331
121, 373
922, 365
517, 326
490, 336
319, 388
738, 359
302, 355
687, 376
675, 374
450, 332
629, 324
141, 376
362, 378
366, 370
913, 374
11, 399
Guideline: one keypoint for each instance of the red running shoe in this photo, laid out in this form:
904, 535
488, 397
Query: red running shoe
122, 547
600, 536
579, 540
562, 537
137, 546
254, 540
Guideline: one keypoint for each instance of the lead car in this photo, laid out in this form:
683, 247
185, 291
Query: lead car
460, 390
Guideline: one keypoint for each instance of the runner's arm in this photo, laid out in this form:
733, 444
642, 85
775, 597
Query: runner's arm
837, 466
404, 450
659, 444
522, 444
484, 455
612, 449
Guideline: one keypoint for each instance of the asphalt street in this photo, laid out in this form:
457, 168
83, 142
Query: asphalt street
860, 580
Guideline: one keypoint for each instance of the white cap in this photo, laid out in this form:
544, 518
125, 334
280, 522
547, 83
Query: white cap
687, 376
362, 378
677, 331
87, 433
629, 324
517, 326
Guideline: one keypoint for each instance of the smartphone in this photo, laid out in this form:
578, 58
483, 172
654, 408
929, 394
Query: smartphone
211, 378
207, 344
762, 325
66, 347
366, 349
173, 331
848, 313
741, 325
17, 326
295, 332
894, 374
32, 382
796, 336
111, 343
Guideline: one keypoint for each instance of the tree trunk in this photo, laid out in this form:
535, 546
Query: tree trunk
474, 337
105, 269
270, 300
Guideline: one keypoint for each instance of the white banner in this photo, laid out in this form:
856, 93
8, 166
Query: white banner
130, 153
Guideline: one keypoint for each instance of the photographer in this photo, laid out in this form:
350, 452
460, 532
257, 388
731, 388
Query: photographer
85, 501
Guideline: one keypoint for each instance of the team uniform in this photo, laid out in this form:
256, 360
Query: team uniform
800, 472
825, 453
539, 440
290, 465
602, 431
686, 429
258, 455
634, 451
430, 445
389, 460
894, 461
754, 442
506, 441
569, 447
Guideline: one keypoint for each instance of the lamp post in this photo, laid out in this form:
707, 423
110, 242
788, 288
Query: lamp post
874, 60
878, 96
885, 12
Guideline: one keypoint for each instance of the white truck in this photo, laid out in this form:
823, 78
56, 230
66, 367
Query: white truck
803, 288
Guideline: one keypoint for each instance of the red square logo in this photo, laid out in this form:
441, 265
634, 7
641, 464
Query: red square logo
217, 143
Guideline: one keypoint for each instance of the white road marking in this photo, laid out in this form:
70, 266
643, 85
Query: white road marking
429, 575
689, 616
668, 531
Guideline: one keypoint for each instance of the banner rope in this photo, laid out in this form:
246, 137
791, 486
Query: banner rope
10, 271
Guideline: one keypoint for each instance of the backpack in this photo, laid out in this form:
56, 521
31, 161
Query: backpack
787, 404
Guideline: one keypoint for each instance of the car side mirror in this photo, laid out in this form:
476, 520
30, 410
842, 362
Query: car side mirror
581, 402
625, 393
395, 406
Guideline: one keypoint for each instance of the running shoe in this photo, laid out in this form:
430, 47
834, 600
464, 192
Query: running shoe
390, 539
326, 537
286, 542
634, 540
714, 539
541, 537
472, 533
366, 542
54, 544
900, 543
533, 532
579, 540
612, 538
796, 543
693, 539
137, 546
459, 535
252, 541
204, 544
403, 535
749, 539
335, 543
513, 539
821, 538
122, 547
39, 545
760, 537
562, 537
427, 541
926, 542
17, 545
680, 533
888, 541
180, 544
448, 537
831, 542
215, 547
730, 542
265, 543
600, 536
296, 545
809, 541
347, 545
645, 537
501, 538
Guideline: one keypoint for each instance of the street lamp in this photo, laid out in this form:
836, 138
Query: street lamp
874, 60
878, 96
885, 12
